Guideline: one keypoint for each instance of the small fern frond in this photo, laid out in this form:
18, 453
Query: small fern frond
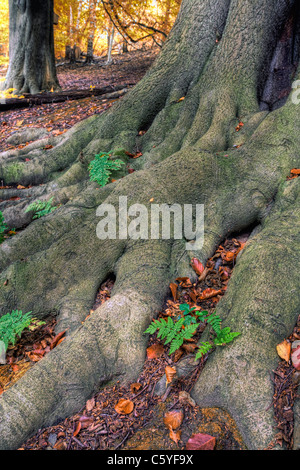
152, 327
12, 325
225, 336
3, 227
204, 348
41, 208
101, 167
215, 322
179, 338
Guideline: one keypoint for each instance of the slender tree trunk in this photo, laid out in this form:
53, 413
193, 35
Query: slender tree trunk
78, 22
31, 47
110, 44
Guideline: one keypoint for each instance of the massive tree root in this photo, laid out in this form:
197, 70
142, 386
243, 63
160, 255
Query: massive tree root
56, 264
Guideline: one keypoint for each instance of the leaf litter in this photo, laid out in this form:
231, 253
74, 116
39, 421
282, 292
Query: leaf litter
117, 413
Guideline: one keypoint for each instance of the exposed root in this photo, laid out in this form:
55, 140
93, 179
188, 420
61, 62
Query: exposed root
55, 266
264, 307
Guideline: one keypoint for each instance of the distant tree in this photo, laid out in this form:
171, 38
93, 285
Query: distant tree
31, 47
92, 29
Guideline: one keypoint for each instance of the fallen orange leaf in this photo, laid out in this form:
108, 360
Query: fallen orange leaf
77, 429
124, 407
175, 435
170, 374
173, 419
228, 256
209, 293
284, 350
174, 288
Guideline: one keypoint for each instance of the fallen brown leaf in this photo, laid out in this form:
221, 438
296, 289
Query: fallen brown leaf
173, 419
56, 339
86, 421
185, 398
284, 350
124, 407
134, 388
155, 351
201, 442
170, 374
90, 404
174, 288
197, 266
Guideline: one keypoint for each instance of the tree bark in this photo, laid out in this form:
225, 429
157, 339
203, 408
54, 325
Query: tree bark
31, 47
110, 42
92, 29
218, 57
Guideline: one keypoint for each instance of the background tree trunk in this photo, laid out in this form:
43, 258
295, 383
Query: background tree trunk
92, 29
31, 47
110, 42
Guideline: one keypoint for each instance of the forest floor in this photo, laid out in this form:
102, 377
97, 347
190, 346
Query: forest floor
56, 118
135, 417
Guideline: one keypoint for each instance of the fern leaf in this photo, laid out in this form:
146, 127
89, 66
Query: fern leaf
3, 227
215, 322
202, 315
152, 327
12, 325
204, 348
225, 336
179, 339
176, 343
41, 208
189, 331
101, 167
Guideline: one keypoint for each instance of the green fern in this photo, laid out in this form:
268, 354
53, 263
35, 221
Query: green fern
41, 208
12, 325
204, 348
3, 227
225, 336
187, 333
187, 311
215, 322
186, 326
172, 332
101, 167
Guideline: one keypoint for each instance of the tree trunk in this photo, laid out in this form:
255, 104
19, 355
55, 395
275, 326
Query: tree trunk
92, 26
110, 41
31, 47
219, 57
